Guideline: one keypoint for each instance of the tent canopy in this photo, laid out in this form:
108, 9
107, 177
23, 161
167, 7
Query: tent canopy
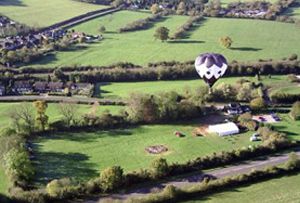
224, 129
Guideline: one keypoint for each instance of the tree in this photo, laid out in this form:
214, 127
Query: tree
295, 111
41, 119
22, 118
293, 161
247, 121
258, 104
143, 108
181, 8
117, 3
18, 165
59, 74
102, 29
159, 167
161, 33
226, 42
69, 112
111, 178
155, 8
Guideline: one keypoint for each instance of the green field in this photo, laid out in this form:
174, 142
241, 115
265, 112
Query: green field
82, 155
123, 89
281, 190
3, 182
281, 83
41, 13
251, 38
288, 126
277, 83
53, 111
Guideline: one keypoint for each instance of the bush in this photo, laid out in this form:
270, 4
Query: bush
61, 188
159, 168
111, 178
258, 104
295, 111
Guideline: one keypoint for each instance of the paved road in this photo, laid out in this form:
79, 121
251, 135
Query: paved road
245, 167
85, 100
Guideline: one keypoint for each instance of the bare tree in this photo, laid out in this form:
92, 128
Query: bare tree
69, 112
22, 117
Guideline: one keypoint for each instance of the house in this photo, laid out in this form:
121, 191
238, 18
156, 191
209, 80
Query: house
21, 87
224, 129
41, 87
56, 86
2, 90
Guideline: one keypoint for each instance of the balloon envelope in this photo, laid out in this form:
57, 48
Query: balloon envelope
210, 67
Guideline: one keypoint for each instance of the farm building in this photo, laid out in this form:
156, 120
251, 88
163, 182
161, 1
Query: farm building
224, 129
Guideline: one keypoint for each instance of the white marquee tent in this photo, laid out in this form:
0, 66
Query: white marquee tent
224, 129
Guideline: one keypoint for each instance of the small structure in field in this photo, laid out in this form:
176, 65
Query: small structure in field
178, 134
156, 149
224, 129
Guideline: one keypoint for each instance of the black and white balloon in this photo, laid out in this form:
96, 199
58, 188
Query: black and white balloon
210, 67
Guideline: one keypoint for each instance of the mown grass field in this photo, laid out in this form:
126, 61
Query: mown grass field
281, 190
43, 13
123, 89
277, 83
288, 126
252, 41
53, 111
281, 83
82, 155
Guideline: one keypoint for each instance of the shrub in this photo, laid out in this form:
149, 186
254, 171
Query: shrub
111, 178
295, 111
159, 168
258, 104
61, 188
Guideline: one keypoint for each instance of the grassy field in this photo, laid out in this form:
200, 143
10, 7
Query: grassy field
123, 89
43, 13
251, 39
277, 83
3, 182
53, 111
289, 126
281, 83
281, 190
82, 155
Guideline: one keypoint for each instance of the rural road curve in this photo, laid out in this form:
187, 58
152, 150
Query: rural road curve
244, 167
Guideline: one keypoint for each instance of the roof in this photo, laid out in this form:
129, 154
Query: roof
224, 128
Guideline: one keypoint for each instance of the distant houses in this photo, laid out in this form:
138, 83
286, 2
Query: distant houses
41, 87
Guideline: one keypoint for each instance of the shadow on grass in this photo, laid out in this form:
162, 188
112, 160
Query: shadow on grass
54, 165
50, 57
11, 3
245, 49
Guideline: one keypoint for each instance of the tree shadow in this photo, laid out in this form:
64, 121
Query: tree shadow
186, 42
55, 165
245, 49
48, 58
11, 3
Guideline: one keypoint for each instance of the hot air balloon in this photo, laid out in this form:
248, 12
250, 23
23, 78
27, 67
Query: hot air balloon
210, 67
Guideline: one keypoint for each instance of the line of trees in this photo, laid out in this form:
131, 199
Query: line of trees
187, 26
142, 24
